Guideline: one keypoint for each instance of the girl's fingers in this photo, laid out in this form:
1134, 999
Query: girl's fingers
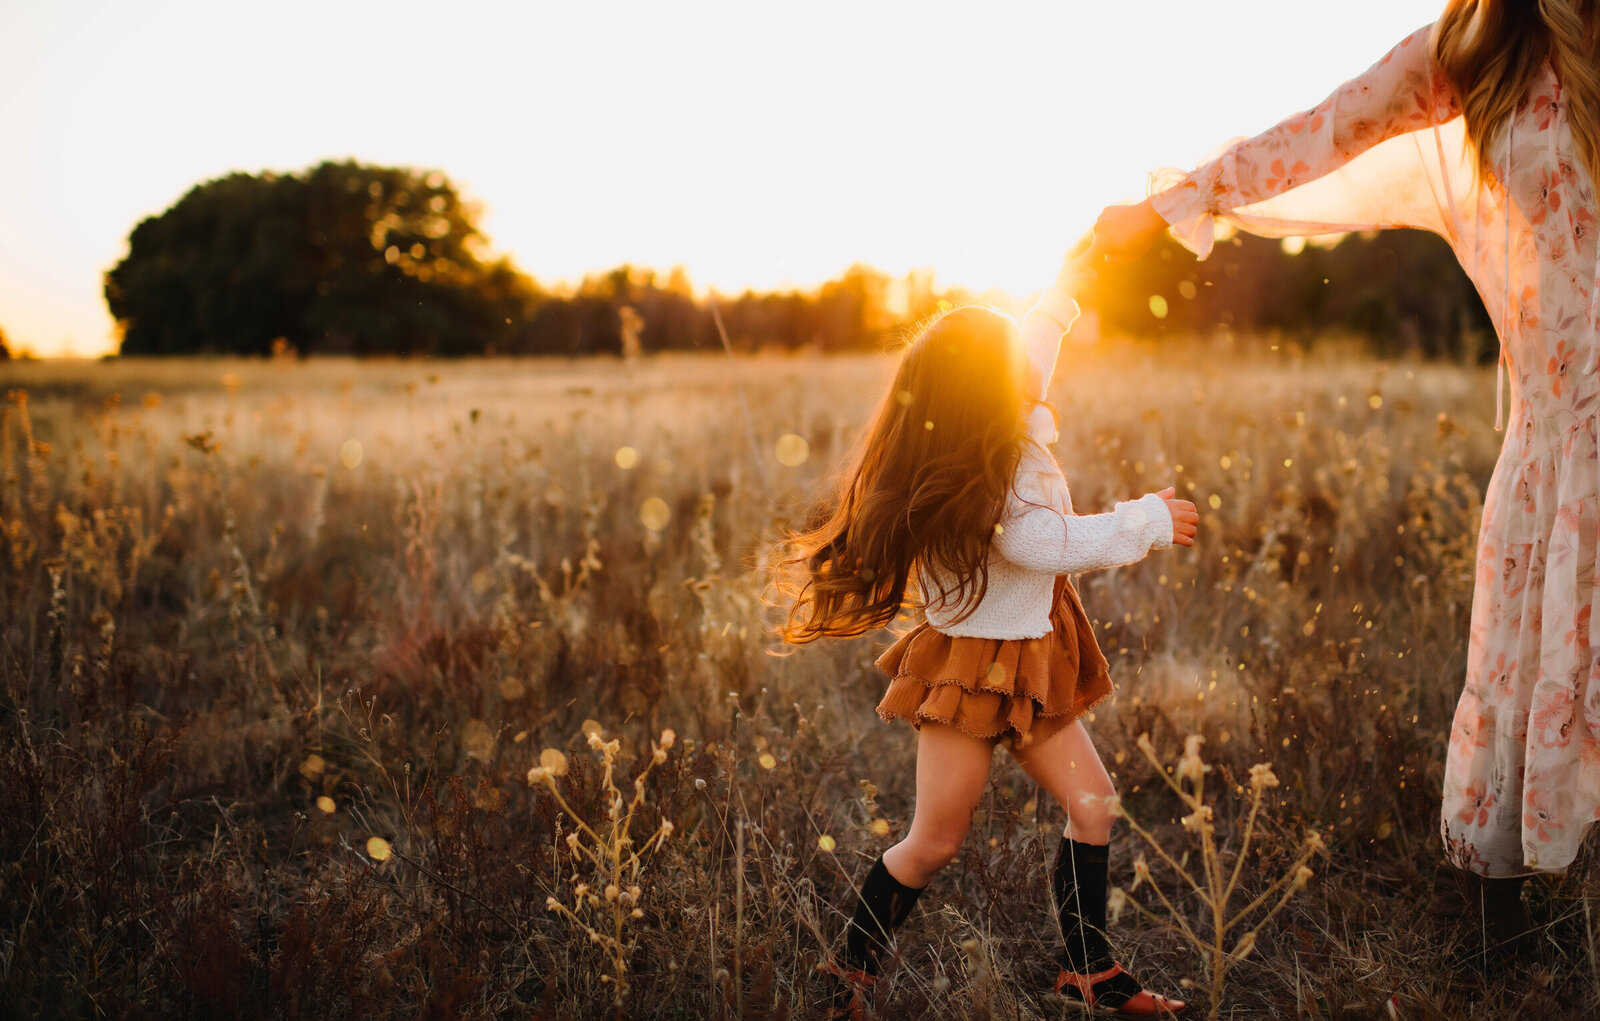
1167, 494
1182, 510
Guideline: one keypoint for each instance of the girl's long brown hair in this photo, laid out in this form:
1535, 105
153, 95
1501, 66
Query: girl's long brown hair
927, 482
1490, 52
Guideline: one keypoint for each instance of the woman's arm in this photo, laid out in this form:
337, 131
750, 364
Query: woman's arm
1251, 183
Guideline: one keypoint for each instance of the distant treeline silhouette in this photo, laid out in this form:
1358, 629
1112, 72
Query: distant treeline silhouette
349, 258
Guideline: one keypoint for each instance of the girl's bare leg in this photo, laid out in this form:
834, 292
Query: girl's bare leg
1067, 766
952, 769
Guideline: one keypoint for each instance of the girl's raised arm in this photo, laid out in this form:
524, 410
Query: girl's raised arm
1041, 331
1369, 155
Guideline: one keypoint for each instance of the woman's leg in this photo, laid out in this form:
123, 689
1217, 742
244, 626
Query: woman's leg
952, 769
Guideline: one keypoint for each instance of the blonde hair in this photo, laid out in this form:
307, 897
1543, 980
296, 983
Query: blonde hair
1491, 50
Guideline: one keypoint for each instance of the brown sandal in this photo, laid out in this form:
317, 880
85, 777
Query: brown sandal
852, 990
1093, 992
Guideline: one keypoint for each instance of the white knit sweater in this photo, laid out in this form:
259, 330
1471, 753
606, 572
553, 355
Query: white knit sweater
1039, 537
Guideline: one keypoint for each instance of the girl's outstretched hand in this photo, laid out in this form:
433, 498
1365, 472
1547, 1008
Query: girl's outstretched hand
1123, 232
1185, 519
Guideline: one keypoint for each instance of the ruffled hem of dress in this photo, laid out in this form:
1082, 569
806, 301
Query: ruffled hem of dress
986, 667
923, 690
1033, 723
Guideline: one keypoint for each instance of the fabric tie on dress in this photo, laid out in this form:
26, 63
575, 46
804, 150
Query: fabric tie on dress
1505, 310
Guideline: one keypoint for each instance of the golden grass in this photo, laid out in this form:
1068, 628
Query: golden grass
283, 641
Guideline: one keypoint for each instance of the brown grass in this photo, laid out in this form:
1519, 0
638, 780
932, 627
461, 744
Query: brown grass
216, 624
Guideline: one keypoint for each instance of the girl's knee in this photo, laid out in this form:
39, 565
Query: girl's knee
934, 851
1091, 818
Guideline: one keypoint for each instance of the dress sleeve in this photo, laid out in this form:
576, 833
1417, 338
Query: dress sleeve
1041, 538
1370, 155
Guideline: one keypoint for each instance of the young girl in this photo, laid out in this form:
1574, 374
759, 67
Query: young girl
952, 486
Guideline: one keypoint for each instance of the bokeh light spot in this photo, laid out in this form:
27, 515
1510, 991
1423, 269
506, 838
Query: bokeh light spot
827, 843
477, 739
627, 458
1158, 306
351, 453
326, 804
378, 849
654, 513
792, 450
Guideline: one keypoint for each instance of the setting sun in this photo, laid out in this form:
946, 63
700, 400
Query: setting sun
754, 146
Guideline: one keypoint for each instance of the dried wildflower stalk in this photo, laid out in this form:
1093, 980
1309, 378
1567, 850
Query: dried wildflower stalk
607, 847
1216, 885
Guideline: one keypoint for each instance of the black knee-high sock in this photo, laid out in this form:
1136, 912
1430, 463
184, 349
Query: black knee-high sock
884, 903
1080, 885
1079, 882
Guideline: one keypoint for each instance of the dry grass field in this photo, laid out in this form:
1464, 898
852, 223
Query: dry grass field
324, 687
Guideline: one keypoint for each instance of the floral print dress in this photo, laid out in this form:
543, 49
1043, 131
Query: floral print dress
1388, 149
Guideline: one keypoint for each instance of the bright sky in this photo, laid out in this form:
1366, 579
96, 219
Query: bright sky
757, 144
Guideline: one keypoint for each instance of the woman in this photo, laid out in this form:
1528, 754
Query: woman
1484, 128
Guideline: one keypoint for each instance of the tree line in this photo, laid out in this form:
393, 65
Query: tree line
351, 258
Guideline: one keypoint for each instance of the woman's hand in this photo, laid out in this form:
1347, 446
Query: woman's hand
1123, 232
1185, 519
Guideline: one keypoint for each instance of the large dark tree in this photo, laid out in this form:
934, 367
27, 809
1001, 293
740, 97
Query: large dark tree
343, 258
5, 352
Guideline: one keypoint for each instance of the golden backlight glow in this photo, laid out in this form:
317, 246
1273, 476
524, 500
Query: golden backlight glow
758, 146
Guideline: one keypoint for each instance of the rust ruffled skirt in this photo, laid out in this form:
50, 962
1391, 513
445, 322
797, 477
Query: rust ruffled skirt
1018, 690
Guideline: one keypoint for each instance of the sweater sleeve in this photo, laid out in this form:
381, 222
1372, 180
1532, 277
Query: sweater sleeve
1042, 329
1041, 538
